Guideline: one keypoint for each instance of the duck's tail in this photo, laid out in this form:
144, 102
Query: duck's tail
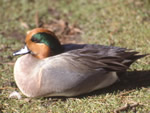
131, 57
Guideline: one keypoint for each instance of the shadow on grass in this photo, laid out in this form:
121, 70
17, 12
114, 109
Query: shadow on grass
128, 81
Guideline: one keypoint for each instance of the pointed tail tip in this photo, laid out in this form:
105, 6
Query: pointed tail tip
133, 59
141, 56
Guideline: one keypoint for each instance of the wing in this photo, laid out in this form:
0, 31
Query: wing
100, 57
79, 70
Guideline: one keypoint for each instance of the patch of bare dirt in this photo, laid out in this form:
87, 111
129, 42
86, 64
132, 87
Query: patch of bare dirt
66, 33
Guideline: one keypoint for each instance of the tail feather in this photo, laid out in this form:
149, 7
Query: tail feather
132, 58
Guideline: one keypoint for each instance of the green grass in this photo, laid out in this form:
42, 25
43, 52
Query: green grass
124, 23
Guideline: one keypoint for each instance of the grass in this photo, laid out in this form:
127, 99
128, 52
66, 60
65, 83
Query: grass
124, 23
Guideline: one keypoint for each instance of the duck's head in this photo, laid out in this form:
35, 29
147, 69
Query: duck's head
41, 43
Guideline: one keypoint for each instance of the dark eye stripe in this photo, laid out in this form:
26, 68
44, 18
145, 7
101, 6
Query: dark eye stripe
34, 39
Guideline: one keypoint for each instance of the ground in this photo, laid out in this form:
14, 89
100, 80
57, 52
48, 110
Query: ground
123, 23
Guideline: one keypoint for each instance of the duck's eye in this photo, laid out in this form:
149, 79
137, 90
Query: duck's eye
34, 39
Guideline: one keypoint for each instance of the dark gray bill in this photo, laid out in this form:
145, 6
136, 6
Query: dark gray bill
22, 51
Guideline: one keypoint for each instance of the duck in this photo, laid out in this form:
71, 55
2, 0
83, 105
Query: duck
48, 68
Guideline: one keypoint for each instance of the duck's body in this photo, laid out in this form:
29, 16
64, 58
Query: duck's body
77, 70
